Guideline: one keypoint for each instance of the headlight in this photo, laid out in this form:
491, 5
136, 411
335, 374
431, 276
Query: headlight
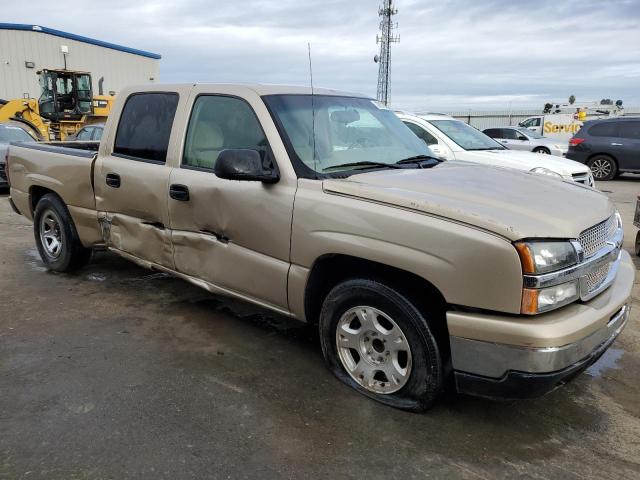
545, 171
544, 257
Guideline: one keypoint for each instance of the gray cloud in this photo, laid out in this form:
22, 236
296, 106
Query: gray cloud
453, 54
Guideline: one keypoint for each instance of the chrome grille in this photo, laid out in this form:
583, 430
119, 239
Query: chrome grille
594, 238
596, 277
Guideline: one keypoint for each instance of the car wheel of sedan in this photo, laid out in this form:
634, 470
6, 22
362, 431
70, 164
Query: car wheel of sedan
637, 246
603, 167
543, 150
376, 341
56, 236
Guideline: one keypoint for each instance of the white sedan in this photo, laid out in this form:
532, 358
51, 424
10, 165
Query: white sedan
452, 139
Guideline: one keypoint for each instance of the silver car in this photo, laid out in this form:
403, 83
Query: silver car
11, 132
519, 138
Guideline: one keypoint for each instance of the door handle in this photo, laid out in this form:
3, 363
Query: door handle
179, 192
113, 180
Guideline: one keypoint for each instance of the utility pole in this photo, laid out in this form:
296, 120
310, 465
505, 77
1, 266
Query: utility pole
385, 39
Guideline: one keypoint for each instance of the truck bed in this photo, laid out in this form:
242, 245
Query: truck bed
65, 169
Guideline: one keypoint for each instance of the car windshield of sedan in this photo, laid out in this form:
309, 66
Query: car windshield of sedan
336, 133
528, 133
466, 136
9, 133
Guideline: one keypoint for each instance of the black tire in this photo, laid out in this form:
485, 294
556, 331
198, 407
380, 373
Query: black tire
544, 150
425, 379
603, 167
637, 246
70, 255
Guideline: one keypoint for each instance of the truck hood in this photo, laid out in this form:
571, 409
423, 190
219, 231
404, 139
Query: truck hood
513, 204
524, 161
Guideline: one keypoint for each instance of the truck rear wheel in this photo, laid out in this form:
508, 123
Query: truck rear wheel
56, 236
377, 342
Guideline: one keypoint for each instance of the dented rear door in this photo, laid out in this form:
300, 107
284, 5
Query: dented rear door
131, 178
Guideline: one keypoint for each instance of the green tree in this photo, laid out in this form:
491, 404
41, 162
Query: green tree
572, 99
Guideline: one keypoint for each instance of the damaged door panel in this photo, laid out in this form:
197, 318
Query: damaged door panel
131, 182
232, 234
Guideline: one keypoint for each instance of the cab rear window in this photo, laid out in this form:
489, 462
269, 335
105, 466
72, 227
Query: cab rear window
603, 130
145, 126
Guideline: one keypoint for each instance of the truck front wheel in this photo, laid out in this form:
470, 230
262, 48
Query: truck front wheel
56, 236
376, 341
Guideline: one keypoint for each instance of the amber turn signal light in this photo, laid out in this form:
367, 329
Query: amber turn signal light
526, 258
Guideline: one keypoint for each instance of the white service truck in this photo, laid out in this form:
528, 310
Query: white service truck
562, 121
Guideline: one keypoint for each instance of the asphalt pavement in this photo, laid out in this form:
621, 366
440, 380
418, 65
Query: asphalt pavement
117, 372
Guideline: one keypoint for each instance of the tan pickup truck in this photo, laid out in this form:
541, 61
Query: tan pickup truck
326, 208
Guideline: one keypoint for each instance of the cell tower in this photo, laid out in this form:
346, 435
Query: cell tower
385, 39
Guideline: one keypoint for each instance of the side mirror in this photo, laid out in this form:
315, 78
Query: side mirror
245, 165
523, 138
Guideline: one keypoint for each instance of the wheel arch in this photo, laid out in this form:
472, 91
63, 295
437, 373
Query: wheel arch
330, 269
603, 154
36, 192
541, 147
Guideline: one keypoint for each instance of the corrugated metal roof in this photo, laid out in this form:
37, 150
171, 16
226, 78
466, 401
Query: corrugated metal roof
78, 38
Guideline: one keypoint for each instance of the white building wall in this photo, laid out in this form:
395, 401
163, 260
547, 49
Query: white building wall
118, 68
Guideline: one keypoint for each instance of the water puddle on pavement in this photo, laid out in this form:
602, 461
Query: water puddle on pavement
608, 361
36, 262
97, 277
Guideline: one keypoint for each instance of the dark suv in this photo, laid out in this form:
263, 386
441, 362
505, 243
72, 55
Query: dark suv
608, 147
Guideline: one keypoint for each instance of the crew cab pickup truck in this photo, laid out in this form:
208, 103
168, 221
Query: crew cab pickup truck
323, 206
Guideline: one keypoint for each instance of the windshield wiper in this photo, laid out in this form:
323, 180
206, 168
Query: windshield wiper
424, 161
365, 164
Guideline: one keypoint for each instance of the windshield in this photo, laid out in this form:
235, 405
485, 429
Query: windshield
14, 134
528, 133
347, 130
467, 137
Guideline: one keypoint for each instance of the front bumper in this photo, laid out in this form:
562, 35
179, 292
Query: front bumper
516, 357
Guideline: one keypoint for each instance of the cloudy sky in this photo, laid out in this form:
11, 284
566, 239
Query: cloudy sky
453, 54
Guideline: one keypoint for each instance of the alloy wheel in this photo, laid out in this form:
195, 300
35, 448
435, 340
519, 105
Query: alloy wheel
601, 168
373, 349
51, 234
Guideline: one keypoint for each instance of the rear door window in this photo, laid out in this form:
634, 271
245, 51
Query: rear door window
606, 129
630, 130
509, 134
145, 126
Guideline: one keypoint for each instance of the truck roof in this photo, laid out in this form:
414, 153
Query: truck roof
259, 88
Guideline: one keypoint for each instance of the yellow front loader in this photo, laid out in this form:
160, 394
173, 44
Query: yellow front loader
65, 105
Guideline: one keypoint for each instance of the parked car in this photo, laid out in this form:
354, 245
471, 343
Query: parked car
11, 132
609, 147
413, 269
88, 133
452, 139
522, 139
